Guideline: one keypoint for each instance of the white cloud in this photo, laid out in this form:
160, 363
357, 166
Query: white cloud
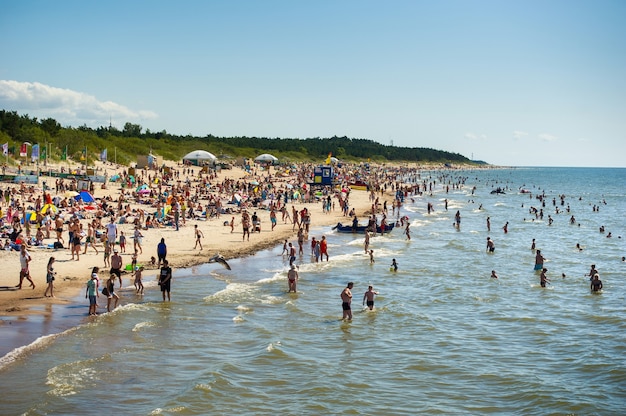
519, 134
547, 137
473, 136
66, 106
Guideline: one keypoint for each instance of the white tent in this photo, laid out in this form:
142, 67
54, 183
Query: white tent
266, 158
199, 157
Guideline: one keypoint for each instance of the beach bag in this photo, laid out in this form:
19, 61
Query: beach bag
105, 291
57, 244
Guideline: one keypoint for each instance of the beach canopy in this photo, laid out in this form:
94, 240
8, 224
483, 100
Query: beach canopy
266, 158
199, 157
85, 196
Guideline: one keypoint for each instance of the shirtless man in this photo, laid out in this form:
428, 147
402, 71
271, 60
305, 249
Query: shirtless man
596, 283
346, 300
369, 297
58, 225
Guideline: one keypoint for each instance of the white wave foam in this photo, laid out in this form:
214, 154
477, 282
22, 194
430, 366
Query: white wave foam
138, 327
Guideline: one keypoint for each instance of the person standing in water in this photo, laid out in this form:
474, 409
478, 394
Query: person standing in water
292, 278
346, 301
165, 279
543, 279
394, 265
491, 247
539, 260
369, 297
92, 291
596, 283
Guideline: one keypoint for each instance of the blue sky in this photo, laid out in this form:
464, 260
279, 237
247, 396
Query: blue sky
521, 83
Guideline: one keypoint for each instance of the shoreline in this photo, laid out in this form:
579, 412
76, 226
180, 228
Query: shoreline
28, 315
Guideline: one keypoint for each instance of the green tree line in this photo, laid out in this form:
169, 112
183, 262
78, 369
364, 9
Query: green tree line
124, 145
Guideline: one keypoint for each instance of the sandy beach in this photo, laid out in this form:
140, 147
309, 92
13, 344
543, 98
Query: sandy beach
72, 275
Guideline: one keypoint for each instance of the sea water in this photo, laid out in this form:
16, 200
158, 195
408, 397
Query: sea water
444, 337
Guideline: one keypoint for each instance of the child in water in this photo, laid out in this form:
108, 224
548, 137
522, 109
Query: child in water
394, 265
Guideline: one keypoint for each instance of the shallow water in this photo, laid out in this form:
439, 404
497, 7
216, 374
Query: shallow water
444, 337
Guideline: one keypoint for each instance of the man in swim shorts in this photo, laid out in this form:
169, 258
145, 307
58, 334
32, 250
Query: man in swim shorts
369, 297
346, 300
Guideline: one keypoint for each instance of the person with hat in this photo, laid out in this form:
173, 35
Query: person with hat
292, 277
116, 265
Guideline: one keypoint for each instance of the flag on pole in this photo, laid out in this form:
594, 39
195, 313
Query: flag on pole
83, 155
64, 154
34, 154
23, 150
328, 158
103, 155
5, 149
44, 153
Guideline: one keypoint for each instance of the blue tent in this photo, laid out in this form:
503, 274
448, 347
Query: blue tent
85, 196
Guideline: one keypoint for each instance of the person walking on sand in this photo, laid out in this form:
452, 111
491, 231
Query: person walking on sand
107, 253
369, 297
199, 235
292, 278
50, 278
346, 301
92, 291
58, 225
137, 240
165, 280
122, 241
161, 252
273, 218
245, 225
24, 267
111, 228
91, 238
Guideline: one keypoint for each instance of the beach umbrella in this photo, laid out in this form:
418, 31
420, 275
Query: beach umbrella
49, 208
142, 187
85, 196
144, 191
266, 158
70, 194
